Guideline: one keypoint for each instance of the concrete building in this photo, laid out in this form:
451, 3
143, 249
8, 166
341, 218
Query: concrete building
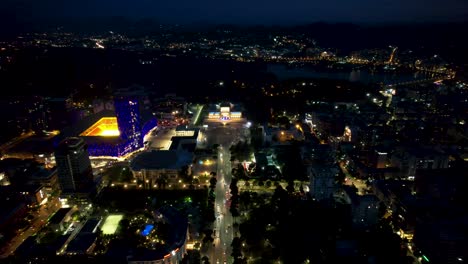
364, 210
408, 160
185, 138
73, 165
60, 218
149, 167
48, 179
85, 240
322, 180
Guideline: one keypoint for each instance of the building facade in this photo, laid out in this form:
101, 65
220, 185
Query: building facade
73, 165
127, 110
322, 180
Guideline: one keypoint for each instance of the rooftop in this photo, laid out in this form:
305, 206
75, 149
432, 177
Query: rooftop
104, 127
161, 159
59, 215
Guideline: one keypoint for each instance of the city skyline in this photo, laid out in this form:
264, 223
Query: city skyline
225, 132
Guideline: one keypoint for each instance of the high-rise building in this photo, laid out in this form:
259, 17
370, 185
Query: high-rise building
73, 165
127, 110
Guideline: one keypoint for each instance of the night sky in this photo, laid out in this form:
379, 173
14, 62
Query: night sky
245, 11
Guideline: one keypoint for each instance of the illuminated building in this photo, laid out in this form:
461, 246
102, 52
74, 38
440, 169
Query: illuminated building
114, 131
73, 165
224, 112
115, 134
128, 120
104, 127
151, 166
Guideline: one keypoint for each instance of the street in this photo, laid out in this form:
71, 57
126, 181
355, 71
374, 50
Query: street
44, 212
223, 226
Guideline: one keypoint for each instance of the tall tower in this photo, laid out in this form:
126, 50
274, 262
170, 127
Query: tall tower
127, 110
73, 165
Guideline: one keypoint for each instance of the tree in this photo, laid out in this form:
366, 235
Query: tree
340, 177
162, 181
290, 187
126, 175
279, 194
208, 236
261, 183
213, 182
233, 187
236, 248
382, 209
205, 260
185, 175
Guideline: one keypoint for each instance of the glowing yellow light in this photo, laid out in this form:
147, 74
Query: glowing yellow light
104, 127
110, 133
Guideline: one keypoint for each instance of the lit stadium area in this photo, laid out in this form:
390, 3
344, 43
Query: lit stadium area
104, 127
111, 224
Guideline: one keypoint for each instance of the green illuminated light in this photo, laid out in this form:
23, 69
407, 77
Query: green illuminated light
425, 258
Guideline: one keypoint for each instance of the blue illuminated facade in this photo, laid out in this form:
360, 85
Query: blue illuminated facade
119, 146
127, 110
108, 149
132, 125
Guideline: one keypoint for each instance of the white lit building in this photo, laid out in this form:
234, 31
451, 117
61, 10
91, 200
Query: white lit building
224, 112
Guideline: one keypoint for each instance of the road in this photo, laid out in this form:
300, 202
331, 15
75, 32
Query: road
351, 181
223, 230
6, 146
43, 214
224, 220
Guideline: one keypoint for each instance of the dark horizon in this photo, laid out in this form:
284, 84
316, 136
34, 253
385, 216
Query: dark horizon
241, 12
148, 24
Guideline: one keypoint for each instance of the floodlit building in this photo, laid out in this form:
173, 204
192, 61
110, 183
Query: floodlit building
128, 121
115, 132
224, 112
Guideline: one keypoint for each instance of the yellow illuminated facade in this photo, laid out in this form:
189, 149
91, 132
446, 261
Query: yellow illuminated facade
224, 114
104, 127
